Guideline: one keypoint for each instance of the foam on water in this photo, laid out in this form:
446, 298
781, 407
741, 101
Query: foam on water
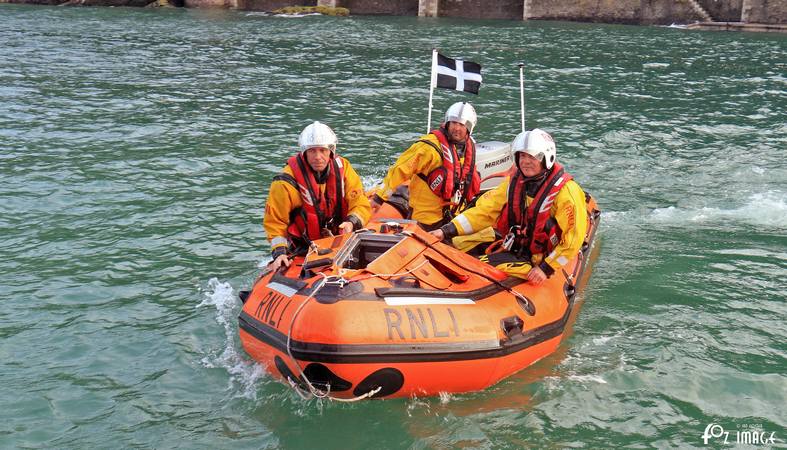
243, 372
762, 209
587, 379
415, 403
370, 181
768, 209
285, 16
654, 65
263, 263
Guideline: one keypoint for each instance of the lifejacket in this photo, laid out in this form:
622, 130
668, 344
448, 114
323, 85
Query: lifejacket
532, 228
451, 182
319, 210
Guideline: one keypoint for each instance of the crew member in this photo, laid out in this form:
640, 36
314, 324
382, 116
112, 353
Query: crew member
441, 169
317, 194
540, 212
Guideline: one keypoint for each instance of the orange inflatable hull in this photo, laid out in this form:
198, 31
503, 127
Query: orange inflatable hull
394, 313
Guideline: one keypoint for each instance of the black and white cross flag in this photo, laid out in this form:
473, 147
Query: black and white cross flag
456, 74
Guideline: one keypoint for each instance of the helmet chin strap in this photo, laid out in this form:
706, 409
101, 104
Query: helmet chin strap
540, 177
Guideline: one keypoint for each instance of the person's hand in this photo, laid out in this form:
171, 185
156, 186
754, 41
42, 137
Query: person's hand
373, 203
438, 233
345, 227
281, 260
536, 276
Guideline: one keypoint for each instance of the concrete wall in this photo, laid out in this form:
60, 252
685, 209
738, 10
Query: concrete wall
255, 5
667, 12
723, 11
612, 11
607, 11
381, 7
764, 11
210, 4
481, 9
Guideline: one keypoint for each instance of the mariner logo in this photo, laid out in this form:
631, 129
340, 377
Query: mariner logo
497, 162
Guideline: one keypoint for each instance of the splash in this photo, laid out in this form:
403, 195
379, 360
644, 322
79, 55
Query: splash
445, 398
655, 65
584, 379
418, 404
371, 181
263, 263
285, 16
764, 209
761, 209
244, 374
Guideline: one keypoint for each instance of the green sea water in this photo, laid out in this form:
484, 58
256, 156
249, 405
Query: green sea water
136, 151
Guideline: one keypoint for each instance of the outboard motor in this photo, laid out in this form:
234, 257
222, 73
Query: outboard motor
492, 157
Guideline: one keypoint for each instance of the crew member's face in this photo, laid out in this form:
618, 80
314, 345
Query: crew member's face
457, 132
529, 165
318, 158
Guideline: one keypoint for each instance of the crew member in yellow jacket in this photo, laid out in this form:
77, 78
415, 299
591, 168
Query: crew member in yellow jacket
540, 211
317, 194
441, 170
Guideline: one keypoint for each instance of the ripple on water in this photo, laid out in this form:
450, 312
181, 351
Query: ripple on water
135, 167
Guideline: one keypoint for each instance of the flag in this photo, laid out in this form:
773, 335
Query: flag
456, 74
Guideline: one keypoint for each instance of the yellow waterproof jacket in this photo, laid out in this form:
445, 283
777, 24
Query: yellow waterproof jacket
569, 210
284, 198
420, 158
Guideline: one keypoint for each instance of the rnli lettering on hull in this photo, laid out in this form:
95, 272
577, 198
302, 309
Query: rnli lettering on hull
420, 322
269, 306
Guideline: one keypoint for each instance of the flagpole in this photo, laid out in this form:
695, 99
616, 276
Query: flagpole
522, 92
432, 83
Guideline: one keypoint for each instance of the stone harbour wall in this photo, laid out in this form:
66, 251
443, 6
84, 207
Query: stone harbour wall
644, 12
726, 11
248, 5
481, 9
639, 12
381, 7
764, 11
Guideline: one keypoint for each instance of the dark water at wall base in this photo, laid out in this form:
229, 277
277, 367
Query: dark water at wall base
137, 147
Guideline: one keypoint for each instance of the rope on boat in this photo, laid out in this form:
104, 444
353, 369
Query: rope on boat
313, 390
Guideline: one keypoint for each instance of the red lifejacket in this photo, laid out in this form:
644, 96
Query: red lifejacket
319, 210
534, 228
450, 178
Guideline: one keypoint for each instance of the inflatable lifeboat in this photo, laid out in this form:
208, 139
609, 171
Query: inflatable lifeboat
390, 311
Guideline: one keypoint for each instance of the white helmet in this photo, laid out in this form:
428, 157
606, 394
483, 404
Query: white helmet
463, 113
317, 135
537, 143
